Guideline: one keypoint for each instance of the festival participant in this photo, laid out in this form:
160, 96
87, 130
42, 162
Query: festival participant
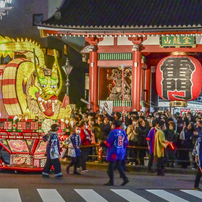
159, 145
85, 141
74, 142
194, 138
53, 152
197, 152
116, 143
150, 142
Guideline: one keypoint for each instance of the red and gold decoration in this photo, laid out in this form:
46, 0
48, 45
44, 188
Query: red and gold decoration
29, 88
22, 139
30, 95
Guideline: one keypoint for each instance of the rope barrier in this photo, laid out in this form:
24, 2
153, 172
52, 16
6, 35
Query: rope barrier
100, 156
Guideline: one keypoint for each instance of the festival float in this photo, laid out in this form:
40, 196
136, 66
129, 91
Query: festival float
30, 97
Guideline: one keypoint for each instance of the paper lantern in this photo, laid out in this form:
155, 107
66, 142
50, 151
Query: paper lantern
179, 77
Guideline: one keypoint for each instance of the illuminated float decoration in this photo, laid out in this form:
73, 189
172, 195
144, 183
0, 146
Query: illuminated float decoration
30, 95
28, 88
178, 79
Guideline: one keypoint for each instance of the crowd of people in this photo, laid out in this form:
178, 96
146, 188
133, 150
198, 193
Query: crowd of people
181, 131
176, 137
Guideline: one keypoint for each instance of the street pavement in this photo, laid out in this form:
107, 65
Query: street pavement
143, 187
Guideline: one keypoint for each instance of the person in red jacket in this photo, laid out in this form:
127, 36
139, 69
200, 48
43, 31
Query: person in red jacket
85, 140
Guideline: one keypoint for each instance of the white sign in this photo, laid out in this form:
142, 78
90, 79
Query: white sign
164, 104
107, 106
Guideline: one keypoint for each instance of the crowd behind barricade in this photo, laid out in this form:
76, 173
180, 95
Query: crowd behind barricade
181, 131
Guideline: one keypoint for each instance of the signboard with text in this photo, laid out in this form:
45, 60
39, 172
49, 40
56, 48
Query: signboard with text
178, 41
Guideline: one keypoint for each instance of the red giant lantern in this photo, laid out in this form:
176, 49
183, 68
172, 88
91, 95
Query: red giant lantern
179, 77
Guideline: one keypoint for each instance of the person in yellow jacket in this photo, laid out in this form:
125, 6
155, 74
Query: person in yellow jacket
159, 145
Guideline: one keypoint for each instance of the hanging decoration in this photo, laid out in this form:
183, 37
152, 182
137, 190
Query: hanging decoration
178, 78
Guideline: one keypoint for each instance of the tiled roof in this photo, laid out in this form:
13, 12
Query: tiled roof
128, 14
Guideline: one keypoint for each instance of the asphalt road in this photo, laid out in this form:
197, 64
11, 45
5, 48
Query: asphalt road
89, 187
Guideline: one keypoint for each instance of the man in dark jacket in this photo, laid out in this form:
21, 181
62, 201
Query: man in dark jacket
115, 116
105, 129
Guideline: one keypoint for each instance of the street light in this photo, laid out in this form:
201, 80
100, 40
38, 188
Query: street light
67, 69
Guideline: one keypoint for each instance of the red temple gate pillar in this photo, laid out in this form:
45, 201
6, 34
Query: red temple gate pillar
137, 71
93, 79
93, 72
136, 78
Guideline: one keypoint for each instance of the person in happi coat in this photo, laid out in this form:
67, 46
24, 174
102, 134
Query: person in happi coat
74, 142
116, 148
86, 139
150, 143
160, 143
52, 152
197, 152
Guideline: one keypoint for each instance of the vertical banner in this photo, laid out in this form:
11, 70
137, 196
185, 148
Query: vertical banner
107, 106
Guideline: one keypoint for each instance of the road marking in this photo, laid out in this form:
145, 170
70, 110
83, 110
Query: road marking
129, 195
195, 193
50, 195
11, 195
166, 195
90, 195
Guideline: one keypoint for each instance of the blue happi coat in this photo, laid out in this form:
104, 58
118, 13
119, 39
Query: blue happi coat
116, 142
74, 142
53, 148
197, 151
151, 139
